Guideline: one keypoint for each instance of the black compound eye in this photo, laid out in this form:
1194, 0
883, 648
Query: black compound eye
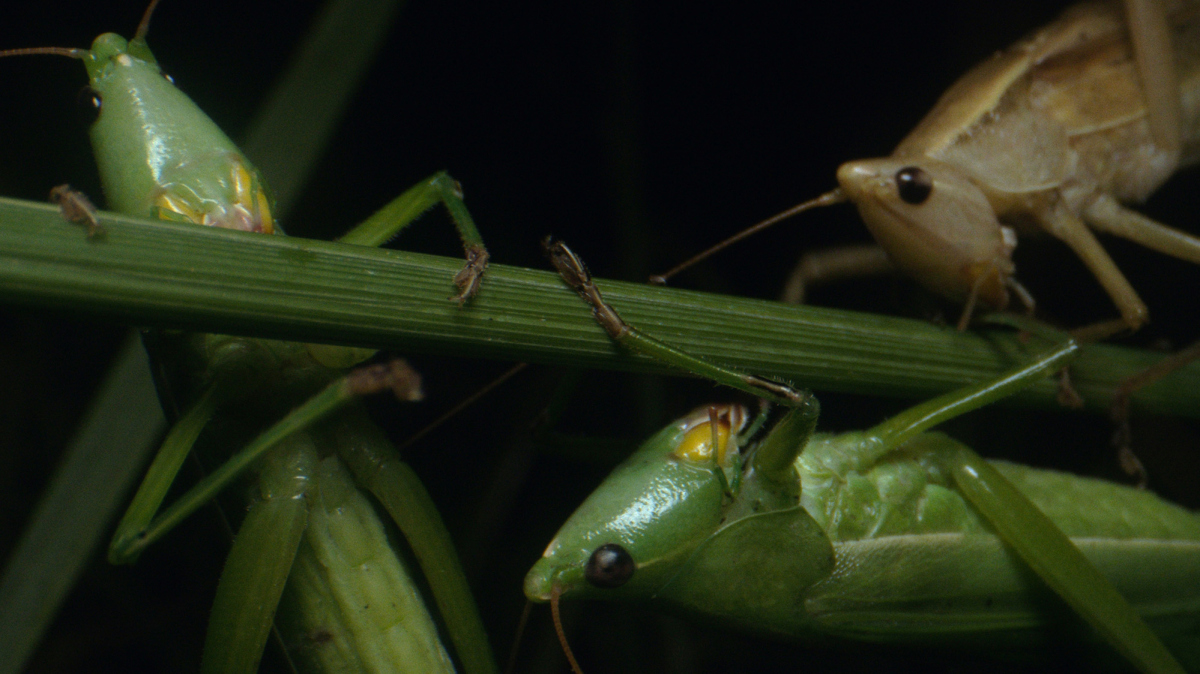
914, 185
609, 566
88, 103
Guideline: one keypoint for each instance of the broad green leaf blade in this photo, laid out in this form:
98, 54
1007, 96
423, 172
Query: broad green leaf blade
76, 508
169, 275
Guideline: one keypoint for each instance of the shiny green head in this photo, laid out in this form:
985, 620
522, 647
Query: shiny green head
110, 46
158, 154
630, 537
719, 533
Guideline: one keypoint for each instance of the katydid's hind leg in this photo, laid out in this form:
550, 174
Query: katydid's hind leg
404, 209
575, 273
834, 264
894, 432
259, 562
1119, 410
1031, 534
1150, 35
378, 467
1056, 560
1064, 225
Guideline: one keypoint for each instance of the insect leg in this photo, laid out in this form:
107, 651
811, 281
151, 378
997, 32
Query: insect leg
77, 208
161, 474
1035, 538
141, 526
378, 467
259, 562
1151, 37
909, 423
576, 275
1058, 562
1064, 225
834, 264
1107, 215
404, 209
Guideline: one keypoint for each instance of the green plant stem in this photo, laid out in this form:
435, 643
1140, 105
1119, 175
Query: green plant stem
181, 276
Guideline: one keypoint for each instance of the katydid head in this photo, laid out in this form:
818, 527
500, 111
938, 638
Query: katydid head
667, 525
935, 224
159, 155
631, 535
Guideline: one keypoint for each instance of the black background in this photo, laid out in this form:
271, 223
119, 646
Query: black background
641, 133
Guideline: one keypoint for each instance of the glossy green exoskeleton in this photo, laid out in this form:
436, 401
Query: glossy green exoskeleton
890, 535
310, 536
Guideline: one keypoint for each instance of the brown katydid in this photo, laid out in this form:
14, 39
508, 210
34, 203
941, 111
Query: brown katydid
1051, 134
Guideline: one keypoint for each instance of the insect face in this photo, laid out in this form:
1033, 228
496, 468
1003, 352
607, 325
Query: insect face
936, 225
635, 532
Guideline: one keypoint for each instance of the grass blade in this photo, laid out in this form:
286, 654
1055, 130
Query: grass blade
159, 274
74, 509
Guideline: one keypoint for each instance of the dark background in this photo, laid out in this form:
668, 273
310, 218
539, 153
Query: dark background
640, 132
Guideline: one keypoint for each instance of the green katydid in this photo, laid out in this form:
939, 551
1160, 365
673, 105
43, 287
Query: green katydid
889, 535
159, 155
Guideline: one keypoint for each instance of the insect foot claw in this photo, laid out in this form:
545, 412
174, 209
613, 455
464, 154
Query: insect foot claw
77, 208
471, 275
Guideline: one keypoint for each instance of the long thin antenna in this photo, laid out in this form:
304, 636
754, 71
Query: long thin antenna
835, 196
69, 52
562, 636
144, 24
464, 404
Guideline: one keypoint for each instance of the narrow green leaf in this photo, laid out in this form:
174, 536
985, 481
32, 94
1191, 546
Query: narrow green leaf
159, 274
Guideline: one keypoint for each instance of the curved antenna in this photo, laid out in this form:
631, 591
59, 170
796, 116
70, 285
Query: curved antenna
834, 196
69, 52
558, 628
144, 24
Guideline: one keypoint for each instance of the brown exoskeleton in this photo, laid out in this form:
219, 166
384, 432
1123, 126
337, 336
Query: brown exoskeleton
1051, 134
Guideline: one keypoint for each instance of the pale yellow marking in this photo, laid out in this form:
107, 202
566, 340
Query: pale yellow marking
169, 202
697, 443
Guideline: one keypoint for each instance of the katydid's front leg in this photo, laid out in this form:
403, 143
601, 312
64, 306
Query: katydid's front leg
575, 273
404, 209
143, 524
